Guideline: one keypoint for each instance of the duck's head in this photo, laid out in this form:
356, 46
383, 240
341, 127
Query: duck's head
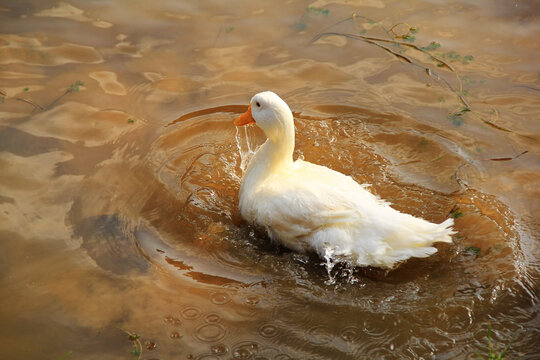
269, 112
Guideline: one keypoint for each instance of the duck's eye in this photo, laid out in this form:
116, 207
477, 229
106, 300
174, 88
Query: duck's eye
257, 103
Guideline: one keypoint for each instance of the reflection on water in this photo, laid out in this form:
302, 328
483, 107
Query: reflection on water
120, 170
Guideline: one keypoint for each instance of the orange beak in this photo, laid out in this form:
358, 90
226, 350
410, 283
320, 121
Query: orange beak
245, 118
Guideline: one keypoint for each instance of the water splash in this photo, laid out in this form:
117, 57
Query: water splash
329, 264
246, 147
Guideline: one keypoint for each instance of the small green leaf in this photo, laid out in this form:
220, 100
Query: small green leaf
457, 214
26, 89
441, 99
318, 11
230, 29
452, 55
472, 250
467, 59
456, 119
413, 30
409, 38
432, 46
75, 86
131, 120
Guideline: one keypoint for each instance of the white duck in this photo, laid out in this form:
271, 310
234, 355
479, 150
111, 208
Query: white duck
311, 207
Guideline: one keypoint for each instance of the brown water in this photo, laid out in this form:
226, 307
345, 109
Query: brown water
118, 202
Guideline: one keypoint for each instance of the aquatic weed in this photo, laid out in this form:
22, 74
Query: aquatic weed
494, 354
137, 346
310, 10
66, 355
75, 86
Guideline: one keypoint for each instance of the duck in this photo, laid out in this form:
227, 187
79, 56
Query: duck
312, 208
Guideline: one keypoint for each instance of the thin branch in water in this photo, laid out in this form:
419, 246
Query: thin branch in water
506, 158
374, 41
36, 106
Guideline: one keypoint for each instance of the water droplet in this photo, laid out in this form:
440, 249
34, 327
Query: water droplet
219, 349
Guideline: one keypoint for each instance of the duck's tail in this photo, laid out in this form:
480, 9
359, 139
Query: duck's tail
415, 239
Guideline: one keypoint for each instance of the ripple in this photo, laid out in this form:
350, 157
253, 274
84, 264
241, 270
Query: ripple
268, 331
207, 357
212, 318
210, 332
375, 330
191, 313
252, 300
350, 334
220, 298
319, 335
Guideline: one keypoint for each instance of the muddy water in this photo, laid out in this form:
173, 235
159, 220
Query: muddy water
120, 167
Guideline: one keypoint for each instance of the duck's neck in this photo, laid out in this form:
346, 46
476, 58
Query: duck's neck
274, 156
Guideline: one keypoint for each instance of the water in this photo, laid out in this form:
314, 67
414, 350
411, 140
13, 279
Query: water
120, 170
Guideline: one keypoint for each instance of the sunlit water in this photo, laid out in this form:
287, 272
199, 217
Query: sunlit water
120, 169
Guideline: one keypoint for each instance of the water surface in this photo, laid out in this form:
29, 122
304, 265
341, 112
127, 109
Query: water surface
120, 168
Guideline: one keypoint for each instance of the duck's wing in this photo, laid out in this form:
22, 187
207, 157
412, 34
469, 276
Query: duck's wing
308, 198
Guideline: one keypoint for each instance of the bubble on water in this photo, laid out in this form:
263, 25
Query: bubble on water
210, 332
246, 350
191, 313
219, 349
172, 320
